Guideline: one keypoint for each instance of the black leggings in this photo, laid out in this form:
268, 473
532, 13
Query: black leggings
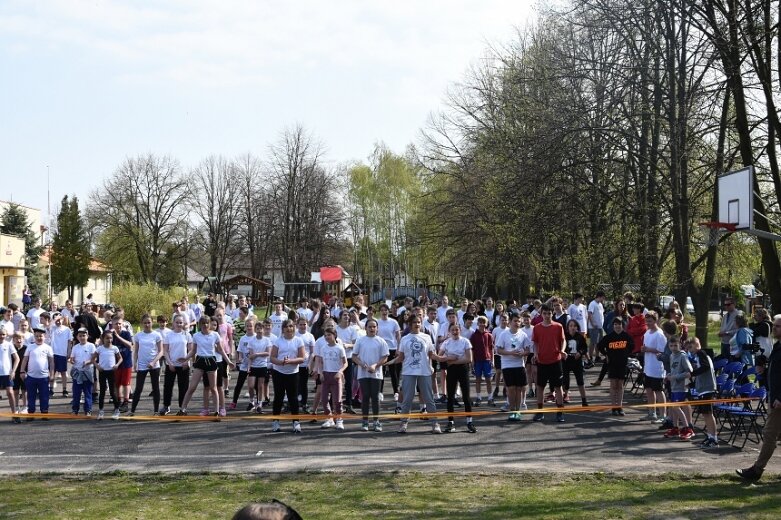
285, 384
106, 378
182, 377
603, 372
370, 387
239, 385
303, 384
457, 375
395, 372
574, 366
154, 374
348, 382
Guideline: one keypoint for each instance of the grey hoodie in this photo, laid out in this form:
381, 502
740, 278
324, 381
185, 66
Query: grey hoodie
680, 368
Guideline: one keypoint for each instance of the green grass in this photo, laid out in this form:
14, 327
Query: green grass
389, 495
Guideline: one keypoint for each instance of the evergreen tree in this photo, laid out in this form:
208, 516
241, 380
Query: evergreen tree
70, 255
14, 221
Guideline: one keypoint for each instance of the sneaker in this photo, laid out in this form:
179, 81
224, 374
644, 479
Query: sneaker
559, 417
524, 406
436, 428
250, 407
620, 412
165, 410
222, 412
505, 407
659, 420
584, 403
181, 413
491, 401
204, 412
227, 392
450, 427
477, 402
650, 417
266, 403
672, 432
512, 417
403, 427
665, 423
65, 394
566, 397
329, 423
708, 444
397, 410
377, 426
750, 474
131, 414
550, 398
351, 411
538, 417
614, 411
100, 415
471, 428
115, 415
340, 425
596, 383
274, 426
246, 395
17, 420
380, 397
123, 407
495, 394
296, 427
396, 397
365, 426
232, 406
259, 410
686, 434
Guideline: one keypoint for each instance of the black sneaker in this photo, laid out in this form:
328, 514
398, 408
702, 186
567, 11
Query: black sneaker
559, 417
471, 428
749, 474
65, 394
450, 428
250, 407
621, 412
123, 407
614, 411
538, 417
457, 404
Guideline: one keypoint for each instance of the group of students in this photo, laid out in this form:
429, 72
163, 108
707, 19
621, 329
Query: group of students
348, 352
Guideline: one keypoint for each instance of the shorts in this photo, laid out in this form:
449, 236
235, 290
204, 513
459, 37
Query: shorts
678, 397
616, 372
653, 383
482, 369
705, 408
497, 362
551, 373
515, 376
205, 363
258, 372
123, 375
530, 360
442, 366
60, 363
222, 372
6, 382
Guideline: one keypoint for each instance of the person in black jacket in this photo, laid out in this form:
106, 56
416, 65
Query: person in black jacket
772, 430
616, 347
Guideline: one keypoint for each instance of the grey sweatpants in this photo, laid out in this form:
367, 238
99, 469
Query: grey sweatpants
408, 387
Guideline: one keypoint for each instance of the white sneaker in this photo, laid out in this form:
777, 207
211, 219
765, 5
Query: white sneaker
340, 424
380, 397
505, 407
329, 423
396, 397
524, 406
100, 415
377, 426
274, 426
115, 415
296, 427
436, 428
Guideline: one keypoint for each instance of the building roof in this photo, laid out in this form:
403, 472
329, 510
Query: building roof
95, 266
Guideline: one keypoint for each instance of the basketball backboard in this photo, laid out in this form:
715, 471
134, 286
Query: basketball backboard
736, 198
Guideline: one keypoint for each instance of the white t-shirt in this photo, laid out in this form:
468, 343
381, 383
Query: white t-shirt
288, 348
657, 341
579, 314
60, 337
149, 344
7, 351
205, 343
107, 356
309, 346
516, 343
69, 314
243, 349
34, 317
456, 347
386, 329
276, 323
467, 332
370, 351
348, 335
489, 315
164, 332
8, 326
82, 353
416, 348
332, 356
38, 360
442, 314
498, 331
305, 313
431, 328
258, 346
177, 346
597, 315
528, 331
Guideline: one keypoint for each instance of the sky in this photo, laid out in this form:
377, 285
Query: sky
84, 84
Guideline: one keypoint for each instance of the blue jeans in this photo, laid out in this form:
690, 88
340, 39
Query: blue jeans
78, 388
747, 357
35, 386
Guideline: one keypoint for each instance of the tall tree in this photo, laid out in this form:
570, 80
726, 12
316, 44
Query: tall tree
70, 251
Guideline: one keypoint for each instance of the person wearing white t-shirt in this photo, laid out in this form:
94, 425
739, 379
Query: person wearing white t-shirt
369, 354
176, 344
456, 351
148, 350
431, 327
348, 334
242, 360
442, 311
82, 358
38, 371
304, 371
61, 343
258, 352
654, 343
9, 361
277, 318
7, 323
414, 354
34, 314
502, 323
287, 353
577, 311
513, 345
389, 330
596, 322
332, 362
107, 359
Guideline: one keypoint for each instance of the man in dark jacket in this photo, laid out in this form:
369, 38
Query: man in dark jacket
772, 429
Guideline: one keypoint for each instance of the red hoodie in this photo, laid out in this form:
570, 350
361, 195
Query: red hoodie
636, 328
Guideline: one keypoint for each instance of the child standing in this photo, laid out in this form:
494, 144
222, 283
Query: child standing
108, 359
332, 361
680, 370
705, 385
9, 360
82, 358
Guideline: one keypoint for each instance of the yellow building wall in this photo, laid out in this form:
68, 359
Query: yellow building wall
12, 278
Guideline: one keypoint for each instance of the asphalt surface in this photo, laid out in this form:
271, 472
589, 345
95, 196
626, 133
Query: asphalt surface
586, 442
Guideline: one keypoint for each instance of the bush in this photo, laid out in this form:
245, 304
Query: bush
139, 299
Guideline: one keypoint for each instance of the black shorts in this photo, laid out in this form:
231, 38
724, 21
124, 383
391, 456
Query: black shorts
205, 363
6, 382
497, 362
260, 372
530, 360
616, 372
705, 408
653, 383
515, 376
442, 366
551, 373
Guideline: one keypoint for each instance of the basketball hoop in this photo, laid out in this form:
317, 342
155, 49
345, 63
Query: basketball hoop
712, 231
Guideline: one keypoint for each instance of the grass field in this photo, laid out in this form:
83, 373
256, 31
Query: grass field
388, 495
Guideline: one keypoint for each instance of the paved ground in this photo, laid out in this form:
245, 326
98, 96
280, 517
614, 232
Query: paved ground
586, 442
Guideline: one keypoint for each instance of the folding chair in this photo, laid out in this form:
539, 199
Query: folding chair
752, 415
719, 365
733, 369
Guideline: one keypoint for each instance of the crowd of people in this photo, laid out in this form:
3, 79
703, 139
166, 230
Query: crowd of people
523, 354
